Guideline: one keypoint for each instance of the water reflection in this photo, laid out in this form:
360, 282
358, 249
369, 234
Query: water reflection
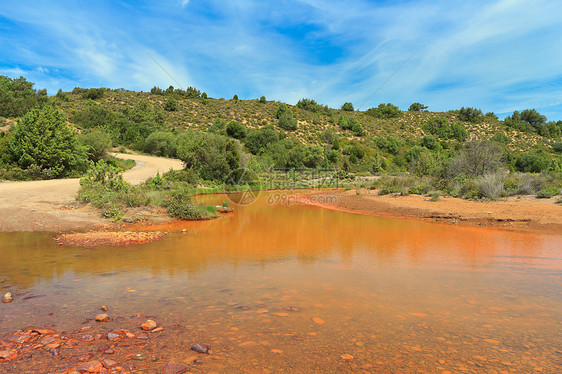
446, 288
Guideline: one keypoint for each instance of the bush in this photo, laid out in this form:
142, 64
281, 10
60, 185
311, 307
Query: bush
287, 122
182, 207
97, 143
42, 138
557, 147
313, 106
258, 140
171, 105
385, 111
236, 130
161, 143
470, 114
17, 96
235, 97
547, 193
477, 159
417, 107
531, 163
94, 93
500, 138
490, 186
348, 107
263, 100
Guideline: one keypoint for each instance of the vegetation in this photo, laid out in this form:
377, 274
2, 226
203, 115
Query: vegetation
462, 153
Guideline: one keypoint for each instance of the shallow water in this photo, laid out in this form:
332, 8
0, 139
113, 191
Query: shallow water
397, 295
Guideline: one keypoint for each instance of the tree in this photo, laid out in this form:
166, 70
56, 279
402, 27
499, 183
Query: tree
97, 143
42, 138
258, 140
287, 122
473, 115
236, 130
477, 159
385, 111
348, 107
171, 105
17, 96
263, 100
235, 98
417, 107
94, 93
532, 117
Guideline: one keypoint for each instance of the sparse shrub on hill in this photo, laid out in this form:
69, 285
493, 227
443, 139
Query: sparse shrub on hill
348, 107
94, 93
468, 114
500, 138
385, 111
171, 105
236, 130
312, 106
417, 107
263, 100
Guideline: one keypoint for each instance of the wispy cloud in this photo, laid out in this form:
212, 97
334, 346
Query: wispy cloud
489, 54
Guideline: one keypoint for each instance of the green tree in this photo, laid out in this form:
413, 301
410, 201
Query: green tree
258, 140
287, 122
97, 143
171, 105
417, 107
17, 96
236, 130
263, 100
385, 111
348, 107
532, 117
476, 159
235, 98
42, 138
473, 115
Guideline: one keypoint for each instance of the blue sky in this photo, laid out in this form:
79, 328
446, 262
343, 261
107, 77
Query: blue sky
496, 55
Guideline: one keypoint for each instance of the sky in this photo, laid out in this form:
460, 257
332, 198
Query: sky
499, 56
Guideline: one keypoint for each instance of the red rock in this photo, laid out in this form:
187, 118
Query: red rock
102, 318
47, 340
113, 336
71, 343
87, 338
90, 367
19, 338
149, 325
44, 332
158, 329
108, 364
103, 308
174, 368
7, 298
8, 355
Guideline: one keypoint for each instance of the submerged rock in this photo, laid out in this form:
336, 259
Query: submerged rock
102, 318
7, 298
149, 325
200, 348
174, 368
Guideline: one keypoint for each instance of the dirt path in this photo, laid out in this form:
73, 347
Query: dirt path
50, 205
521, 213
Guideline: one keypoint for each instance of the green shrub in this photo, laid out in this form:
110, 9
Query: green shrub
348, 107
417, 107
385, 111
17, 96
547, 193
236, 130
531, 163
171, 105
263, 100
94, 93
287, 122
470, 114
97, 143
182, 207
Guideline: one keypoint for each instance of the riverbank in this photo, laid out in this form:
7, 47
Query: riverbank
50, 205
520, 213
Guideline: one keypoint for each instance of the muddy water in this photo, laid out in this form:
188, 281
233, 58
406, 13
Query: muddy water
278, 288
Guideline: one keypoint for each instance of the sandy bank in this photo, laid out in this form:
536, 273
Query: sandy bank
522, 213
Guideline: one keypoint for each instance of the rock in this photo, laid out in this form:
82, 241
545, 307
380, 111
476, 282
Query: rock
318, 321
102, 318
346, 356
8, 355
113, 336
103, 308
149, 325
138, 357
7, 298
174, 368
87, 338
109, 351
158, 329
90, 367
200, 348
108, 364
293, 308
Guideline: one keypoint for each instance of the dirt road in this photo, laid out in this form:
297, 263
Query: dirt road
50, 206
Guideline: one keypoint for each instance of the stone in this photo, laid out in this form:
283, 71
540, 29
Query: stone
8, 355
103, 308
90, 367
318, 321
346, 356
7, 298
149, 325
174, 368
200, 348
102, 318
108, 364
113, 336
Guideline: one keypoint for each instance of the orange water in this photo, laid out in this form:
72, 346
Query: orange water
398, 296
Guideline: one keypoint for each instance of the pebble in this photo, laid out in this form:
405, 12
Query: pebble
102, 318
200, 348
90, 367
103, 308
113, 336
108, 364
149, 325
174, 368
346, 356
318, 320
7, 298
